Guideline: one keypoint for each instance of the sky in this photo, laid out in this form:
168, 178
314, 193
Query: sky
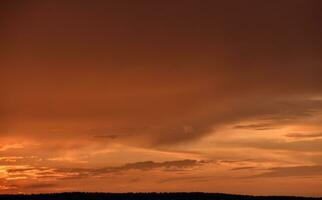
162, 96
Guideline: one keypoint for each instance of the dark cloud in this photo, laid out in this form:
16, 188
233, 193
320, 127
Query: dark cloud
145, 166
21, 170
156, 73
79, 79
148, 165
40, 186
258, 127
112, 137
274, 113
187, 179
243, 168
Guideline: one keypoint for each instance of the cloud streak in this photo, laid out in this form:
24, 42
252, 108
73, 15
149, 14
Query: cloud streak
279, 172
142, 166
32, 172
304, 135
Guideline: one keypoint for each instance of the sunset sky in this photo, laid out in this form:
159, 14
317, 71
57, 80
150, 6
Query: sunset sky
161, 95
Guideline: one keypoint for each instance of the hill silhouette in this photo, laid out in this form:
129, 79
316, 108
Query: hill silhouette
147, 196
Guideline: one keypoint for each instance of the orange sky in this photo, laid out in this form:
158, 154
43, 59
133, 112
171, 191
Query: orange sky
119, 96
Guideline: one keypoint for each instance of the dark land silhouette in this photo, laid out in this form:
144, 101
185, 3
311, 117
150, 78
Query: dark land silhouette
147, 196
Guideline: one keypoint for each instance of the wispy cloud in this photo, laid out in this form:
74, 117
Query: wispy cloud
11, 146
315, 171
142, 166
187, 179
258, 127
274, 144
304, 135
14, 172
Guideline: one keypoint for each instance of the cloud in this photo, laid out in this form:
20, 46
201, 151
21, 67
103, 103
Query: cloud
9, 159
258, 127
8, 187
167, 131
21, 172
11, 146
304, 135
187, 179
272, 144
40, 186
142, 166
148, 165
112, 137
315, 171
148, 93
243, 168
303, 146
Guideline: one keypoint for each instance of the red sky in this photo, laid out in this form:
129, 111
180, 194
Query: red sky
213, 96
